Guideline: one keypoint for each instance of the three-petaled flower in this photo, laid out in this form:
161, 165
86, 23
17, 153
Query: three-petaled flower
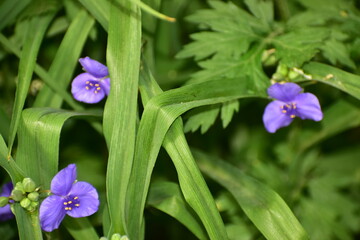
5, 212
289, 103
76, 199
93, 85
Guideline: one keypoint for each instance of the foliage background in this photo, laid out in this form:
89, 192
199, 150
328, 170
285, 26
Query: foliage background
218, 52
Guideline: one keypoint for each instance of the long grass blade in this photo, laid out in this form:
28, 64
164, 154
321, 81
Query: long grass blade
99, 9
34, 36
123, 59
345, 81
80, 228
28, 223
159, 114
9, 165
48, 80
265, 208
66, 59
41, 127
167, 197
10, 9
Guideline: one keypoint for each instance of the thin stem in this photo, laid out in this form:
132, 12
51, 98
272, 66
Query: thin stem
283, 7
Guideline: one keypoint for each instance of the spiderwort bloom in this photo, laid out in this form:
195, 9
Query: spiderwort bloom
93, 85
76, 199
289, 103
5, 212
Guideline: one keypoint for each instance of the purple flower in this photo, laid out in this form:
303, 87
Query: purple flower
289, 103
5, 212
93, 85
76, 199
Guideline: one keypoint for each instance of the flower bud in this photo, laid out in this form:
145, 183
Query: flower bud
33, 196
19, 186
4, 201
116, 236
17, 195
293, 74
34, 204
282, 69
25, 203
29, 185
31, 208
278, 76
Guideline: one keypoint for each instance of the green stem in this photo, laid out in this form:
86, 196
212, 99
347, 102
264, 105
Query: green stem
283, 7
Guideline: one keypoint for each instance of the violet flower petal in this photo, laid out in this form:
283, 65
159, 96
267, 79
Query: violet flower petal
6, 189
94, 67
273, 118
308, 107
88, 198
52, 212
86, 88
105, 84
63, 181
284, 92
5, 212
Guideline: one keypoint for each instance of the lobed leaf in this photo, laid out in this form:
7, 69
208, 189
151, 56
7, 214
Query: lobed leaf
227, 111
263, 10
296, 47
202, 117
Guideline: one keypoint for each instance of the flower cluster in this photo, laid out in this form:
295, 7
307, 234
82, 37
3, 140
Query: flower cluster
27, 194
76, 199
93, 85
289, 103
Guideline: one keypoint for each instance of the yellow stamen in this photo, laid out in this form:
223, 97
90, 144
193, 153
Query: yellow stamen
87, 88
91, 84
69, 202
87, 82
65, 203
77, 205
76, 198
97, 85
98, 88
284, 111
95, 91
292, 116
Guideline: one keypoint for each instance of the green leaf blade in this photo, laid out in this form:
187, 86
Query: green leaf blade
120, 113
35, 34
66, 59
263, 206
